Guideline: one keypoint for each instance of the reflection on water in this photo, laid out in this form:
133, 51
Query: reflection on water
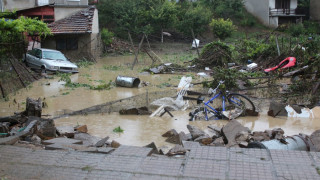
138, 130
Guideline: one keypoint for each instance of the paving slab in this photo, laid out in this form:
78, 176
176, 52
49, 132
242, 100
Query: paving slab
209, 152
162, 166
250, 171
249, 155
132, 151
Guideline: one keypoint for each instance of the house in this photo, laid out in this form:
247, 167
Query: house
273, 13
314, 10
13, 5
74, 25
77, 35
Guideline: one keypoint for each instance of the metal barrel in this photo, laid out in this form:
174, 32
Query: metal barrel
127, 81
293, 143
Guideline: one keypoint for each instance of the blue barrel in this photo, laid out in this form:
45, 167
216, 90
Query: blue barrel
125, 81
293, 143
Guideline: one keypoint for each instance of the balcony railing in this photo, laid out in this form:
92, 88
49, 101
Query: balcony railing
282, 12
69, 2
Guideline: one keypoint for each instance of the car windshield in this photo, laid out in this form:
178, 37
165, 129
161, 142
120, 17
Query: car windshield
53, 55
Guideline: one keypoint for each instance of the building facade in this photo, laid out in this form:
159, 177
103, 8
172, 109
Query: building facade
314, 10
273, 13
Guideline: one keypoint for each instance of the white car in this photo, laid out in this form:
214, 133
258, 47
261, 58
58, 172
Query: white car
49, 60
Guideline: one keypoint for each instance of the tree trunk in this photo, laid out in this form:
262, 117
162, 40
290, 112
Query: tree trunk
194, 38
137, 53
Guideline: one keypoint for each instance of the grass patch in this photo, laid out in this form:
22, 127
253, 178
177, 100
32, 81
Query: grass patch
118, 130
84, 63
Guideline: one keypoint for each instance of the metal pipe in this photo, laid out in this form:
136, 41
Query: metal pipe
293, 143
127, 81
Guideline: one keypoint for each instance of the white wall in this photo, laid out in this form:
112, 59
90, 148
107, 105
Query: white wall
273, 21
260, 9
63, 12
18, 4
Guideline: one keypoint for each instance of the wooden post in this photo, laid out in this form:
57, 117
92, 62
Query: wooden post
137, 53
161, 35
194, 39
278, 46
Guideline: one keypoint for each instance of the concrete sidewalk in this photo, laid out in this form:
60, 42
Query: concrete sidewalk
127, 162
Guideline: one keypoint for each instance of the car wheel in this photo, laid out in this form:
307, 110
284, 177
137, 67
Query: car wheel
27, 64
43, 69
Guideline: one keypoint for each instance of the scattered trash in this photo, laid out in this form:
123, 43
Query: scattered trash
251, 66
127, 81
286, 63
195, 43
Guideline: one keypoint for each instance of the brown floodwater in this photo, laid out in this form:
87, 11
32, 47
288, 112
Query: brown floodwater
138, 130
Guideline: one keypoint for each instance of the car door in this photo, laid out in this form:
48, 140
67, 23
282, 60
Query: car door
37, 58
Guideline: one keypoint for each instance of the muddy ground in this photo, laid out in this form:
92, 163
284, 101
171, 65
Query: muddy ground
138, 130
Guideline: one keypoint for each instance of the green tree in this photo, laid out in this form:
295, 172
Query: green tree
194, 18
222, 28
164, 15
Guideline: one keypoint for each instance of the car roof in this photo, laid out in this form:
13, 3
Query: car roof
44, 49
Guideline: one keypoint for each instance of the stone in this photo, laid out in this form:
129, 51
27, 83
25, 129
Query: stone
81, 128
277, 109
277, 133
315, 141
177, 150
231, 130
164, 150
212, 133
170, 133
242, 136
67, 131
102, 142
206, 139
4, 127
260, 136
243, 144
33, 107
62, 141
115, 144
195, 131
46, 128
269, 133
177, 139
154, 148
87, 139
218, 142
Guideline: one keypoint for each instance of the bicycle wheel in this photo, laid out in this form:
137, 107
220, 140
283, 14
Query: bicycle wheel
238, 105
199, 114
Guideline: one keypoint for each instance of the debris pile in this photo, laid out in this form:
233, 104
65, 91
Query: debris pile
235, 135
214, 54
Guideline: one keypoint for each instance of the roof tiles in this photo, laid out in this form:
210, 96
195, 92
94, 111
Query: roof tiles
78, 23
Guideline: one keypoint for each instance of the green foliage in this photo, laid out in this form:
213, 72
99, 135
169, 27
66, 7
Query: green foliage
216, 53
311, 27
164, 15
194, 17
84, 63
252, 49
113, 68
118, 130
106, 36
296, 30
224, 8
229, 76
103, 86
222, 28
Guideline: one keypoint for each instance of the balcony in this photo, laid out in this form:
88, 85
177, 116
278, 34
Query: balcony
287, 12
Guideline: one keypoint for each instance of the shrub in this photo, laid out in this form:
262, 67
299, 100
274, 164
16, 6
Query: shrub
296, 29
106, 36
222, 28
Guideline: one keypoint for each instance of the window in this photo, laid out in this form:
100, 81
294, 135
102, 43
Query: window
282, 4
67, 44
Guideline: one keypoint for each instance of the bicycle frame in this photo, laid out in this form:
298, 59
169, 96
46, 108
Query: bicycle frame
218, 113
214, 110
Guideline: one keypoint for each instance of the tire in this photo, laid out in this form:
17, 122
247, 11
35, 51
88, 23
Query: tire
199, 114
43, 69
239, 105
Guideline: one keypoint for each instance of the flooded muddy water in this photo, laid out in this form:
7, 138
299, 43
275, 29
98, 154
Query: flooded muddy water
138, 130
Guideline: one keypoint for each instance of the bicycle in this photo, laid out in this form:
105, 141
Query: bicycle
233, 105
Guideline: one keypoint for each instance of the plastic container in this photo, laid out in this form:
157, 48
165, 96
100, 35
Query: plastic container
125, 81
